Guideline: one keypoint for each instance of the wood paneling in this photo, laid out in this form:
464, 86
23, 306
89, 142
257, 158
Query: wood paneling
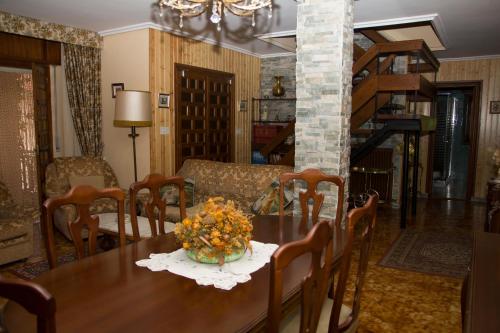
22, 49
165, 50
487, 71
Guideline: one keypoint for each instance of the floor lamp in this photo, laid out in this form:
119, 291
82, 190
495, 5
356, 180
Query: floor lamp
133, 109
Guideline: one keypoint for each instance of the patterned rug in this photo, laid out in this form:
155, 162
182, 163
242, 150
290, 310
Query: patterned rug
30, 271
433, 252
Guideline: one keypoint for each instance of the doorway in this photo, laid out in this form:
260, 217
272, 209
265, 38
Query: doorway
18, 161
204, 114
453, 146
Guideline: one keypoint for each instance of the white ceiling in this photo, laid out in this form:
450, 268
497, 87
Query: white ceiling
467, 27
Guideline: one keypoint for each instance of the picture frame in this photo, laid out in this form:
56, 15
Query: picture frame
115, 87
163, 100
243, 105
495, 107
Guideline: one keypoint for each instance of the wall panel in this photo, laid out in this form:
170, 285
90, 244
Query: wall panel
165, 51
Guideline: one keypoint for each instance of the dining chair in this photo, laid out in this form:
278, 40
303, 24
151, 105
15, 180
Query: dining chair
319, 243
34, 298
343, 318
81, 197
157, 222
312, 177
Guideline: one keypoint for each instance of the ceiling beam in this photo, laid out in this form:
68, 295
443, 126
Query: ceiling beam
374, 36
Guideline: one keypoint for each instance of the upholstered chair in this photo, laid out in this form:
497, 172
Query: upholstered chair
16, 229
65, 172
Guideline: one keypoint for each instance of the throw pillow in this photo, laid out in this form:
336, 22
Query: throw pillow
95, 181
269, 202
170, 193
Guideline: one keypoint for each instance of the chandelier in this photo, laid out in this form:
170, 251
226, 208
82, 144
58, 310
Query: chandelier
190, 8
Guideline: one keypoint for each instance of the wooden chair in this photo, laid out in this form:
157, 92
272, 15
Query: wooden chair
34, 299
154, 182
312, 177
318, 242
343, 318
82, 197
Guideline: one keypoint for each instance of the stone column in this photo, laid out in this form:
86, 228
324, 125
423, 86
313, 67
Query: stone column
324, 82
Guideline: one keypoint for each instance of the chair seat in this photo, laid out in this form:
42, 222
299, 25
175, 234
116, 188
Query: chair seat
291, 324
108, 222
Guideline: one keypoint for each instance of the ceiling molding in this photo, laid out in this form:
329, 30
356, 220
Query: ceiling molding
285, 33
275, 55
151, 25
483, 57
395, 21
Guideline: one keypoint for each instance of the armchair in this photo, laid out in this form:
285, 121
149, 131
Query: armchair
64, 172
16, 229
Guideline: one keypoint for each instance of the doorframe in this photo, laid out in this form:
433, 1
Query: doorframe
476, 87
178, 67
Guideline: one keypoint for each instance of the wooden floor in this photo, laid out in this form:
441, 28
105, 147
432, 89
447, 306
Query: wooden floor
395, 300
403, 301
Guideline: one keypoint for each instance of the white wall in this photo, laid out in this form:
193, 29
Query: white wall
125, 59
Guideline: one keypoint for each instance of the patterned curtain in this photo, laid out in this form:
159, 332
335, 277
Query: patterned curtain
83, 80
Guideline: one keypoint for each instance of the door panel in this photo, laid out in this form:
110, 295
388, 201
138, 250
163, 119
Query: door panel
204, 114
43, 122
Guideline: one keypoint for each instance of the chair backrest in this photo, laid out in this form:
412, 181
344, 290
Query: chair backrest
494, 220
318, 242
154, 182
81, 197
312, 177
367, 215
34, 299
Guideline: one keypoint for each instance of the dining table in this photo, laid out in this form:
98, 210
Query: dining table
108, 292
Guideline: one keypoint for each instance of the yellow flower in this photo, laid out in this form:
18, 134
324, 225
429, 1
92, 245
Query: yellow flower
186, 245
186, 222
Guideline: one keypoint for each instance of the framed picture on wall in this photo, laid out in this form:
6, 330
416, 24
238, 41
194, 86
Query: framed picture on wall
116, 87
495, 107
163, 100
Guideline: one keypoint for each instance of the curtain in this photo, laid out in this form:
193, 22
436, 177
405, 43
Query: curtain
83, 80
17, 137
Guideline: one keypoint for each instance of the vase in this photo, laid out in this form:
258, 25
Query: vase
200, 257
278, 89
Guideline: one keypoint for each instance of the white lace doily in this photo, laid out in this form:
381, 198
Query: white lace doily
222, 277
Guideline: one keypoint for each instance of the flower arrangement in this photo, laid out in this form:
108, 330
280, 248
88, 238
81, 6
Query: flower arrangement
220, 233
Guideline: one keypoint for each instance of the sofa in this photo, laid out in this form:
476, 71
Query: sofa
242, 183
16, 229
65, 171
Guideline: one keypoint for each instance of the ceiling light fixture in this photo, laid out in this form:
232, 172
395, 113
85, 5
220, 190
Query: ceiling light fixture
190, 8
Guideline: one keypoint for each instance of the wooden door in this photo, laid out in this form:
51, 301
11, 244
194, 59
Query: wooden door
43, 122
204, 114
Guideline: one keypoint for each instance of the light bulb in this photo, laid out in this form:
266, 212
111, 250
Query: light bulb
181, 22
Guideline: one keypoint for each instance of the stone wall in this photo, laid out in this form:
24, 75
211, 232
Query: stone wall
324, 82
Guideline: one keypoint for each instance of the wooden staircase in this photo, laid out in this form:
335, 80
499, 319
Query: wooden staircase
374, 84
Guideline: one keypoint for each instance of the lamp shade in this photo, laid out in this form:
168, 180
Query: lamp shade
133, 108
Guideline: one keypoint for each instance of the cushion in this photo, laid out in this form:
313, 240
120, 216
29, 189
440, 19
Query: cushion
95, 181
269, 202
174, 214
12, 228
170, 193
109, 222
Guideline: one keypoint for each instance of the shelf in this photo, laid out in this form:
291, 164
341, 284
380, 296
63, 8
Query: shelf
275, 99
272, 121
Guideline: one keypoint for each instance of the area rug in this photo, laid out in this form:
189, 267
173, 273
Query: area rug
445, 253
30, 271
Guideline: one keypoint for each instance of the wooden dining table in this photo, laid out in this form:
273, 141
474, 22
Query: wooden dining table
108, 292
